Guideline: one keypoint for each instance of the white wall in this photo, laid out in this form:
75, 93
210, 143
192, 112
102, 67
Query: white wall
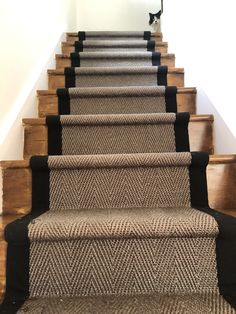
114, 15
30, 33
202, 34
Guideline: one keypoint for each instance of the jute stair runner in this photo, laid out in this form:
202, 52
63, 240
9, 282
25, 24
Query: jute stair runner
114, 45
117, 100
114, 35
109, 59
115, 76
120, 221
114, 134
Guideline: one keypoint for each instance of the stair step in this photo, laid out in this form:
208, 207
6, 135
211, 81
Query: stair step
111, 59
149, 303
48, 101
134, 201
221, 175
144, 170
73, 36
56, 78
68, 47
36, 135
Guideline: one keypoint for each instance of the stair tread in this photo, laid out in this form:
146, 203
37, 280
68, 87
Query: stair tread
180, 90
112, 54
121, 223
154, 34
42, 121
194, 303
71, 44
213, 159
97, 69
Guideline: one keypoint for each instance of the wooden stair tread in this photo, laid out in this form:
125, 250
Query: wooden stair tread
158, 43
67, 55
156, 34
193, 118
69, 46
180, 90
213, 159
170, 70
63, 60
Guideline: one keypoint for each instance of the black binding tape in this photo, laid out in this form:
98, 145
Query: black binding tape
147, 35
54, 135
79, 47
69, 77
225, 254
63, 97
17, 267
226, 239
82, 36
16, 234
40, 182
162, 75
181, 132
170, 97
151, 45
156, 58
75, 59
198, 181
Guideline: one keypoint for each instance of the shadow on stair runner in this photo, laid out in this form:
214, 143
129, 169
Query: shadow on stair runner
120, 220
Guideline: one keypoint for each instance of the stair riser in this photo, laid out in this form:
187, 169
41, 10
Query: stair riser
48, 103
68, 48
36, 138
65, 61
56, 80
149, 267
17, 186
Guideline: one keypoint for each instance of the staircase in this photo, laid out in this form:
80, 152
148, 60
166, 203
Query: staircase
109, 212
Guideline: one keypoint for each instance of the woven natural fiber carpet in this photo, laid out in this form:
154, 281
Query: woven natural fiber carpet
120, 221
115, 76
114, 35
115, 45
114, 134
110, 59
117, 100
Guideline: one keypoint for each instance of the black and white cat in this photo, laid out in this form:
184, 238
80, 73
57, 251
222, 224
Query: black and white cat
154, 21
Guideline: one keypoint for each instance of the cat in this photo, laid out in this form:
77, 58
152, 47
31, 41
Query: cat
154, 21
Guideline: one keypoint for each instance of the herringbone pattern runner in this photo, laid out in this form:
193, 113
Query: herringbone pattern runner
115, 59
115, 45
114, 134
120, 221
117, 100
115, 76
206, 303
